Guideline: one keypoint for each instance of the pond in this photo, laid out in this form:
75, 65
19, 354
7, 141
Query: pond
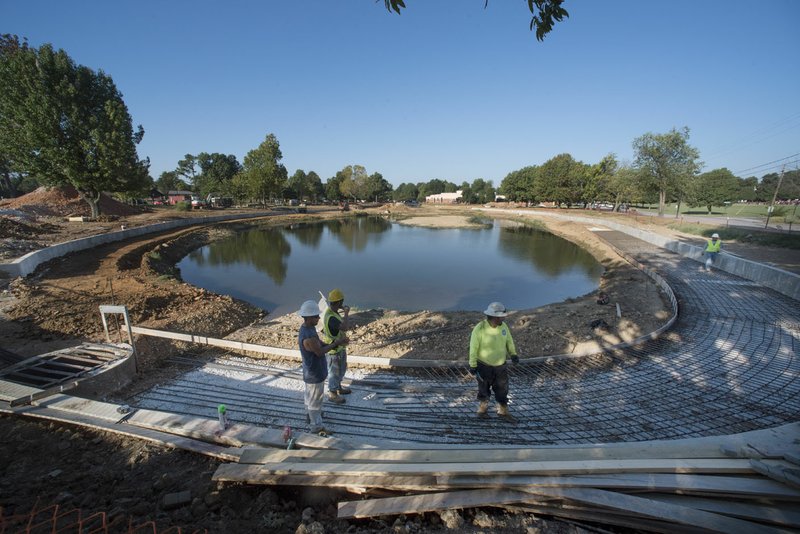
383, 264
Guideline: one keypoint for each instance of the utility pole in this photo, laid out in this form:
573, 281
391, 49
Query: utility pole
774, 196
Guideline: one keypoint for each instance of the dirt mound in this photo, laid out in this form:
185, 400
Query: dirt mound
19, 230
65, 202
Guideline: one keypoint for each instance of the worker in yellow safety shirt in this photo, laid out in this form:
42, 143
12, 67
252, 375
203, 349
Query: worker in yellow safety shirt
334, 326
489, 346
712, 250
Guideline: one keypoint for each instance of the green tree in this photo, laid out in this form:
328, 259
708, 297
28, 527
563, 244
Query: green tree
482, 191
188, 168
298, 183
623, 187
599, 178
790, 185
713, 188
217, 170
747, 188
405, 191
316, 189
518, 186
65, 124
561, 180
332, 191
170, 181
665, 162
377, 188
263, 171
545, 14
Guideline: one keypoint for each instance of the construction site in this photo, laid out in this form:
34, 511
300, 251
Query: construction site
668, 400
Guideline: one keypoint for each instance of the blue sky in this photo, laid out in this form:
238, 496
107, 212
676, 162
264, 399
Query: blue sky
446, 90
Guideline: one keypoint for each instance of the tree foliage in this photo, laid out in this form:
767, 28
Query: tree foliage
713, 188
405, 191
170, 181
65, 124
216, 172
263, 174
544, 13
665, 163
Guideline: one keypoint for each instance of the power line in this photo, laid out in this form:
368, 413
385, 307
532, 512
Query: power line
769, 163
758, 136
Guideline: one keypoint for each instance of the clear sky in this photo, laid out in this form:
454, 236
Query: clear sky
446, 90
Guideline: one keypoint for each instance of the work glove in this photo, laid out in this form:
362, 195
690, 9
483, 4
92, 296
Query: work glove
515, 359
476, 374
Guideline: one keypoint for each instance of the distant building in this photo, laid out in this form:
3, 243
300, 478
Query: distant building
179, 196
444, 198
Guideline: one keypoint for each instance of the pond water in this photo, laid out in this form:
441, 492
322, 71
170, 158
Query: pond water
383, 264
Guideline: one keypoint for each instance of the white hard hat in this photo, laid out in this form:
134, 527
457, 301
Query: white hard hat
714, 236
308, 309
496, 309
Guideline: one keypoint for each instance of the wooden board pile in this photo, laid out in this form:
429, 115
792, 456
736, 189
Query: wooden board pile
658, 487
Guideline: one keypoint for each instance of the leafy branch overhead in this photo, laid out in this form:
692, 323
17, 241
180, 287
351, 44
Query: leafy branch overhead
545, 13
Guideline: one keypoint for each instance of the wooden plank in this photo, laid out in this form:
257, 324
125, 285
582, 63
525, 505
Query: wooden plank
487, 455
741, 487
679, 515
718, 466
77, 405
783, 515
33, 397
252, 474
597, 515
428, 502
784, 472
236, 435
73, 356
94, 423
11, 390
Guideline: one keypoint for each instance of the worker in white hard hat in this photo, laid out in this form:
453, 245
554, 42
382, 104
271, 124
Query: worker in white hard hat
712, 250
334, 325
315, 370
489, 346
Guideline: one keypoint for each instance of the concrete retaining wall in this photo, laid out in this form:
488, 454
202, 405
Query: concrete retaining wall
29, 262
781, 281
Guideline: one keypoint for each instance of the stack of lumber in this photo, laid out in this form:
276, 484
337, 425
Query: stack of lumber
659, 487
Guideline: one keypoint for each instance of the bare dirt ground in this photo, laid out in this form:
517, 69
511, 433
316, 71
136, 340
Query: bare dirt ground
128, 479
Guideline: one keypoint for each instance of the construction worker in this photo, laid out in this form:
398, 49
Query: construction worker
489, 346
334, 326
314, 369
712, 249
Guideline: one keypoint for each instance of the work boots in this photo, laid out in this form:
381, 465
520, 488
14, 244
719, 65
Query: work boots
335, 398
344, 391
502, 411
483, 408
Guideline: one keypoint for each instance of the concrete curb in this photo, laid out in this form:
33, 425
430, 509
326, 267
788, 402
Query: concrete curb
29, 262
781, 281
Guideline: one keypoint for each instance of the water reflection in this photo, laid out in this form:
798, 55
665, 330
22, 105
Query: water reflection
267, 250
384, 265
549, 253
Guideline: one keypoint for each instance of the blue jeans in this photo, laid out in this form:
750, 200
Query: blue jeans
337, 367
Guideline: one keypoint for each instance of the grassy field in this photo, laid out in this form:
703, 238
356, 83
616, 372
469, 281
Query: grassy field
735, 210
742, 235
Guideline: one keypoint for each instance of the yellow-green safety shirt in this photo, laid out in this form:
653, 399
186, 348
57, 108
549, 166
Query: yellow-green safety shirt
490, 345
327, 336
713, 246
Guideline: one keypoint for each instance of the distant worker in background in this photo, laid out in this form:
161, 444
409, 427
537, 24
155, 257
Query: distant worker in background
712, 250
314, 369
489, 346
334, 326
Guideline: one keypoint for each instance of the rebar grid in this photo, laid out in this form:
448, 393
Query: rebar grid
728, 365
